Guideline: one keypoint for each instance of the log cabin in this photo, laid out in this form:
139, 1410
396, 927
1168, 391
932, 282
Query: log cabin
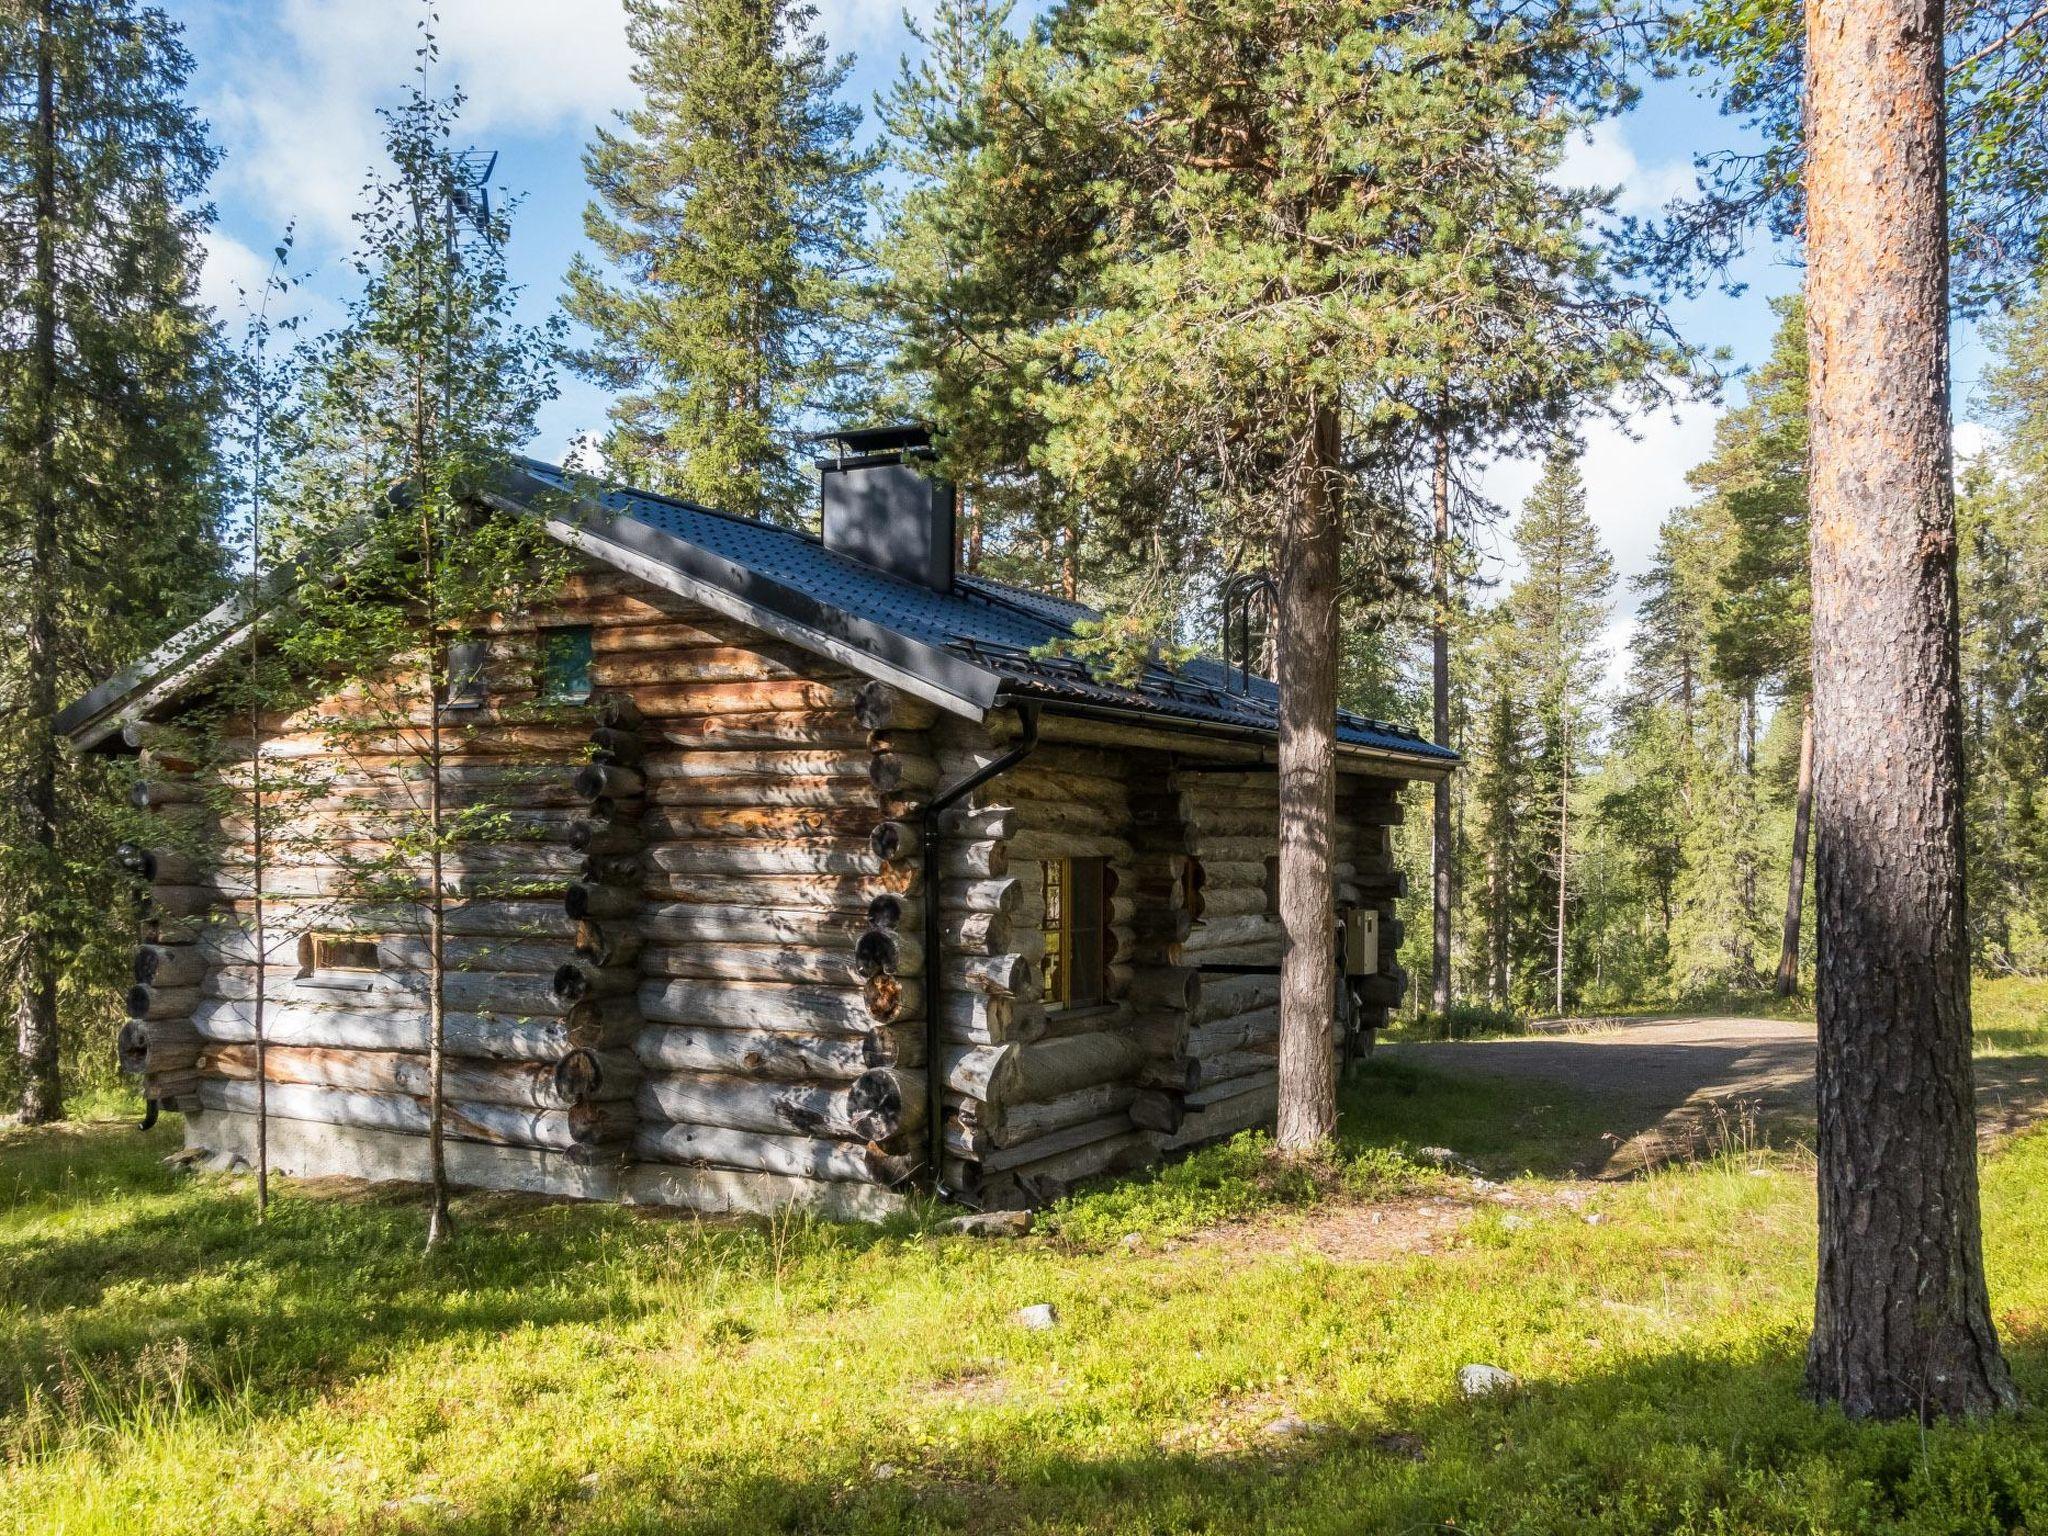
842, 883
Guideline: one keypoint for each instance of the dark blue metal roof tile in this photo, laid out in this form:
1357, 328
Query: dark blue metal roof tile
1003, 628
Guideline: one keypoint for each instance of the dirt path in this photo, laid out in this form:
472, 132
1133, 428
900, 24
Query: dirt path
1682, 1084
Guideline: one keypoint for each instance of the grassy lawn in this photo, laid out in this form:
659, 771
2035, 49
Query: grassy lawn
173, 1368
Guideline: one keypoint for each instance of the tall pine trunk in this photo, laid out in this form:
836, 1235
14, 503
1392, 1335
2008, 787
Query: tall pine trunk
1902, 1323
42, 1089
1564, 839
1795, 883
1311, 539
1441, 894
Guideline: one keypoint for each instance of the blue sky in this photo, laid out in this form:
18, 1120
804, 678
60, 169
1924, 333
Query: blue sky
291, 88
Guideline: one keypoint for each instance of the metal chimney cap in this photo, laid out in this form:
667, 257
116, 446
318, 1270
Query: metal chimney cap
874, 440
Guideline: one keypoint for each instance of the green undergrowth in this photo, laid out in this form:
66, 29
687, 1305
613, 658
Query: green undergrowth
1461, 1021
1239, 1346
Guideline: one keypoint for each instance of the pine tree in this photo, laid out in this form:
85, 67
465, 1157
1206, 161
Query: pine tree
108, 511
1763, 615
2003, 559
409, 415
1179, 272
1560, 608
728, 210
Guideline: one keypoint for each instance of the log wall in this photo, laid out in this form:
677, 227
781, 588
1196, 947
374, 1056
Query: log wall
686, 950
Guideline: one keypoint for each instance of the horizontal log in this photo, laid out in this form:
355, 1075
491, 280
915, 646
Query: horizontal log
1226, 1117
725, 763
665, 700
875, 1106
530, 1085
557, 1130
487, 1037
770, 789
661, 635
1013, 1124
1170, 987
614, 747
880, 707
895, 773
700, 663
1053, 1175
726, 1191
765, 856
169, 965
575, 980
1154, 1110
880, 952
608, 781
313, 1149
683, 823
148, 1002
751, 962
818, 730
1051, 1067
701, 923
587, 901
152, 794
483, 917
779, 1054
807, 1157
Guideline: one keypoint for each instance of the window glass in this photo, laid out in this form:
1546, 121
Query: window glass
1075, 896
465, 674
565, 664
336, 953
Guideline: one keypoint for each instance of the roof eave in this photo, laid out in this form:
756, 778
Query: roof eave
1420, 765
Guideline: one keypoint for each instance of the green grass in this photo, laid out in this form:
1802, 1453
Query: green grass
2010, 1016
172, 1368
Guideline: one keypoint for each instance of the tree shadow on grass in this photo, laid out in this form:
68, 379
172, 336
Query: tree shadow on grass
129, 1259
1682, 1442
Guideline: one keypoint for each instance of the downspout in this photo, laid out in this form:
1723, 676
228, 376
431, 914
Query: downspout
934, 966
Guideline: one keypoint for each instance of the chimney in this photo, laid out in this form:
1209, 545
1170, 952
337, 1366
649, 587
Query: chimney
883, 507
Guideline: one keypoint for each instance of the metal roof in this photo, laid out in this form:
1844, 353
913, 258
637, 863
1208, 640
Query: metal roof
1003, 631
968, 650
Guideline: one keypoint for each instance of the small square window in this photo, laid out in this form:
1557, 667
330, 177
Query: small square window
565, 665
465, 674
328, 952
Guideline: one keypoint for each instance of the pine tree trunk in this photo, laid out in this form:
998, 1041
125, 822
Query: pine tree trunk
1795, 884
1564, 841
1902, 1322
1311, 537
42, 1089
1441, 893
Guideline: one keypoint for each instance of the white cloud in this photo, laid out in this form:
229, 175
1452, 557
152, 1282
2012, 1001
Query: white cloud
1601, 157
230, 270
299, 116
1634, 473
1970, 438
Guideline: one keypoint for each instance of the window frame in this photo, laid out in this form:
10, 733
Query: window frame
552, 640
462, 674
317, 967
1075, 922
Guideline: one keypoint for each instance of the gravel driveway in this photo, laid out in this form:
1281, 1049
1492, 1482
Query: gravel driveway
1682, 1085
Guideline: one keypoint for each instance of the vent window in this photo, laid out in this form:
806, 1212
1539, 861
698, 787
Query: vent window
565, 665
465, 674
329, 953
